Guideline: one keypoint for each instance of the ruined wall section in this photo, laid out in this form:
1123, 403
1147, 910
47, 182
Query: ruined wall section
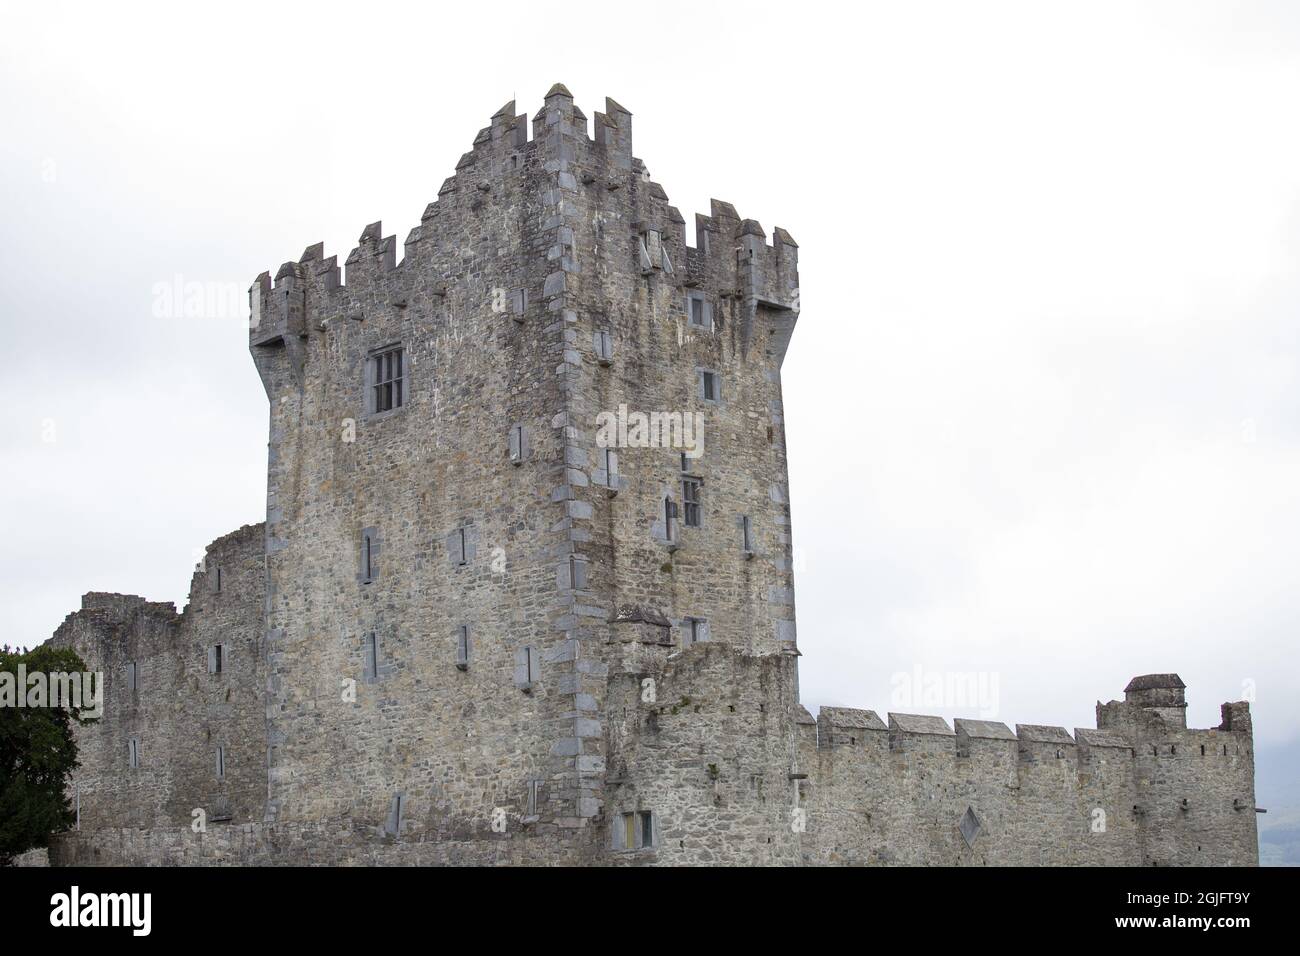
110, 633
178, 711
222, 709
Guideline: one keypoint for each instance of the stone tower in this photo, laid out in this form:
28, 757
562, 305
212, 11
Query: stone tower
523, 593
545, 445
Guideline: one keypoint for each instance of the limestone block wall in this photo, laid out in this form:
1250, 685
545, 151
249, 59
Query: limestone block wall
1194, 788
227, 709
712, 757
467, 534
178, 712
532, 248
464, 633
896, 792
110, 632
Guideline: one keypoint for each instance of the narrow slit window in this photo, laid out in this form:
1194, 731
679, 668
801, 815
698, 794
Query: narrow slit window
133, 753
221, 762
462, 647
131, 676
611, 467
747, 534
396, 810
367, 559
647, 830
518, 444
577, 572
670, 520
372, 656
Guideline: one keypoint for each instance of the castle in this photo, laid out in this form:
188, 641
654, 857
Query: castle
524, 590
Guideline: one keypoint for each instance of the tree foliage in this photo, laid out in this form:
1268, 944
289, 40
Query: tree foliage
37, 753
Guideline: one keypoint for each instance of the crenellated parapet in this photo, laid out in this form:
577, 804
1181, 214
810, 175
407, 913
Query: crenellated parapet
1141, 788
732, 260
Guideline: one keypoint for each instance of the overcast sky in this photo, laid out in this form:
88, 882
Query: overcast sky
1042, 400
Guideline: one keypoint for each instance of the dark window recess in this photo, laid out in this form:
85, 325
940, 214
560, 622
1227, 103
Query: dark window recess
518, 444
388, 380
699, 312
691, 513
462, 647
709, 386
396, 811
697, 630
636, 831
371, 650
367, 556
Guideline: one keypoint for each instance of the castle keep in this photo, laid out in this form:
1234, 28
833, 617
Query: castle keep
524, 590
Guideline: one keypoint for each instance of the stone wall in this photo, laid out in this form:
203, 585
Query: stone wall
178, 713
704, 741
628, 690
533, 248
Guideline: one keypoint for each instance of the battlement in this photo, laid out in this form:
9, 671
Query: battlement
1127, 726
732, 258
545, 647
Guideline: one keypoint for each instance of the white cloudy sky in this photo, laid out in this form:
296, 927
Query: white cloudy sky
1043, 397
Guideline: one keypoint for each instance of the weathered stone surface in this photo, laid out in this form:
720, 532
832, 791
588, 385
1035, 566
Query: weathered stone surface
541, 649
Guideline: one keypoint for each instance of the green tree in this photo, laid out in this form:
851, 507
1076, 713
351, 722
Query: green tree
37, 753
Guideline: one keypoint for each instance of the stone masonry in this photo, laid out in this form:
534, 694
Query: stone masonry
524, 591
